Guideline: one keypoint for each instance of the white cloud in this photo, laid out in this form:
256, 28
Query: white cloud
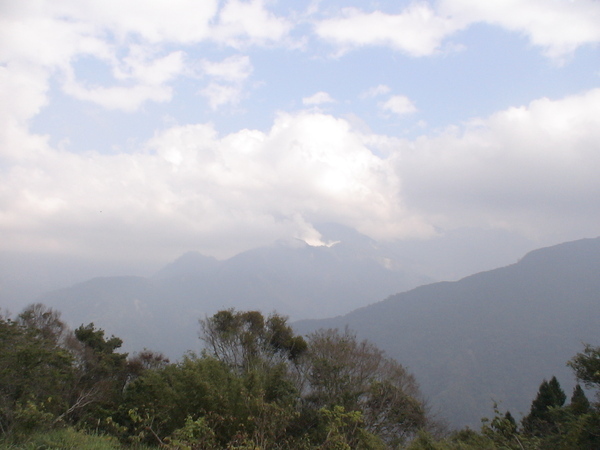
559, 27
318, 99
221, 94
150, 77
233, 69
527, 168
128, 99
141, 66
50, 36
230, 75
195, 189
181, 21
243, 23
130, 38
376, 91
417, 31
398, 104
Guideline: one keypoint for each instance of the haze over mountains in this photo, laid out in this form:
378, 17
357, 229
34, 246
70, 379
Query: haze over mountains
25, 276
492, 336
293, 278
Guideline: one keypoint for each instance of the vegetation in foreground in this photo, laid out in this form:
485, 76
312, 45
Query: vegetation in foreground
256, 386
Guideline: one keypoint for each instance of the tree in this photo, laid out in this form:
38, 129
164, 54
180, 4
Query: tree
579, 402
587, 366
46, 321
146, 360
541, 419
246, 340
201, 398
342, 371
336, 378
102, 372
35, 375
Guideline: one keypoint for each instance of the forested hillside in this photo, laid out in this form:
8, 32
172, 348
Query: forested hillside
493, 336
257, 385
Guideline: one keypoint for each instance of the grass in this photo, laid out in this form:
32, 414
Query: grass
67, 438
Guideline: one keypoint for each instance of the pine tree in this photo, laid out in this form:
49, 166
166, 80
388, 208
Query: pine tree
540, 420
579, 402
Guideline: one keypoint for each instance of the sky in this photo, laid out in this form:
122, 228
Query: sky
144, 129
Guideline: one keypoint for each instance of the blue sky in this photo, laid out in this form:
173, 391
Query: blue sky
144, 129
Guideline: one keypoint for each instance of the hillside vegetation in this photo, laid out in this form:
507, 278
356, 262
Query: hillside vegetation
256, 386
490, 337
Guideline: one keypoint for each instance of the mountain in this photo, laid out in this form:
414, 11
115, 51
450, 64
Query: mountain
26, 275
161, 312
490, 337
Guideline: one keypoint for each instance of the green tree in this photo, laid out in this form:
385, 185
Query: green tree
541, 419
344, 430
587, 366
342, 371
101, 371
35, 375
46, 321
246, 340
160, 401
579, 402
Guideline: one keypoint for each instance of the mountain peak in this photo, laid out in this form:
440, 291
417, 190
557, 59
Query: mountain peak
186, 264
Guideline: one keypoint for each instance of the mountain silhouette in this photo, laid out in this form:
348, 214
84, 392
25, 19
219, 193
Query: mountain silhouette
490, 337
161, 312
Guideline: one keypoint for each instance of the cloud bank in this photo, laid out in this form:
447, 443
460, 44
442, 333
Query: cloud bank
521, 168
529, 168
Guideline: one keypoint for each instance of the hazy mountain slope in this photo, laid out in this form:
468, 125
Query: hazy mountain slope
292, 278
24, 276
491, 336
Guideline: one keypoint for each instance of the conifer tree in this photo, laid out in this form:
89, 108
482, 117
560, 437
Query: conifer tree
540, 420
579, 402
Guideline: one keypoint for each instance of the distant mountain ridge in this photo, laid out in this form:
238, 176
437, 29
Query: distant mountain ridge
492, 336
290, 277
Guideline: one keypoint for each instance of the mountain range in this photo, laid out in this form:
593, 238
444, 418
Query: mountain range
161, 312
490, 337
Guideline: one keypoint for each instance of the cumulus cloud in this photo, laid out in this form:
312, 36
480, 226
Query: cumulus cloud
196, 187
127, 99
153, 20
318, 99
376, 91
130, 38
228, 77
218, 94
150, 79
248, 23
398, 104
417, 31
233, 69
525, 168
558, 27
529, 168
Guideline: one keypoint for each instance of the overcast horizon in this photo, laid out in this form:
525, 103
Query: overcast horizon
137, 131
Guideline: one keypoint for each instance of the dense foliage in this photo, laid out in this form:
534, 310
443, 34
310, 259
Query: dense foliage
256, 386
